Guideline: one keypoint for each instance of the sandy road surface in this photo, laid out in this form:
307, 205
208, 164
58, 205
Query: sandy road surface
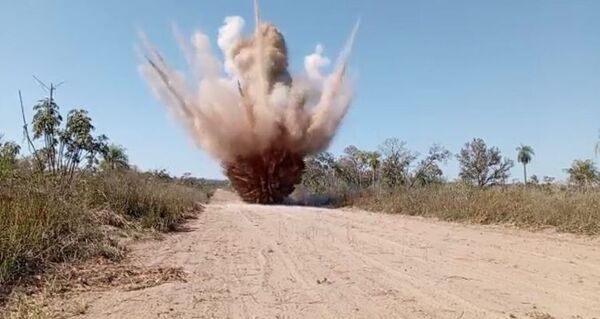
245, 261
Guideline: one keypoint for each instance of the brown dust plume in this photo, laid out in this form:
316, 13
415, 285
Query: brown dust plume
248, 111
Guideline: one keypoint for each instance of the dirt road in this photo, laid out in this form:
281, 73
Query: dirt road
245, 261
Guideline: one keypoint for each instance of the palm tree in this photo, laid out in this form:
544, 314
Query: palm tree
114, 158
583, 173
373, 161
524, 156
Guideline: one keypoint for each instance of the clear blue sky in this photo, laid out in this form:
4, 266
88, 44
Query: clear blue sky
510, 72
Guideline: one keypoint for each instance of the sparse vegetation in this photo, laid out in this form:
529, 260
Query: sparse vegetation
480, 195
50, 201
567, 209
41, 224
356, 171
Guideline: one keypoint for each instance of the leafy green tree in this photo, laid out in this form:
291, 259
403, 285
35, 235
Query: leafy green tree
77, 142
115, 158
46, 126
481, 166
524, 156
64, 149
8, 157
583, 173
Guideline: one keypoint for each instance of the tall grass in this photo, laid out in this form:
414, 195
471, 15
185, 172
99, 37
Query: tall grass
155, 202
568, 209
38, 224
42, 224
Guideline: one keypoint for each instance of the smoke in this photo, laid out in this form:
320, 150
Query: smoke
314, 63
229, 35
249, 102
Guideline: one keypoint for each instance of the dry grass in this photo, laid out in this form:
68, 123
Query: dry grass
41, 225
567, 209
102, 275
154, 202
25, 307
540, 315
53, 297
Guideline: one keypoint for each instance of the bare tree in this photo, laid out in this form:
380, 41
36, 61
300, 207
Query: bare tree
481, 165
352, 166
395, 165
428, 171
320, 172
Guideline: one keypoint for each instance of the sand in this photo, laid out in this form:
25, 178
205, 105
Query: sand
249, 261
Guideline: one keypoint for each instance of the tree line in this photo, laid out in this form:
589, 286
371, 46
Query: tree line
64, 147
394, 166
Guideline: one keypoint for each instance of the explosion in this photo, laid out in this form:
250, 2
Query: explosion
249, 112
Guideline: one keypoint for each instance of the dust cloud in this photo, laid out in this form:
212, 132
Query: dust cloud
246, 108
